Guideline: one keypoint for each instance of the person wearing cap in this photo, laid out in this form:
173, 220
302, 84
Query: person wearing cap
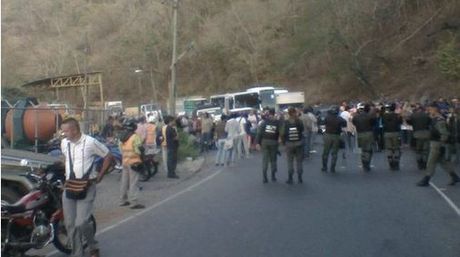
292, 138
130, 146
391, 132
439, 153
267, 140
421, 123
334, 125
365, 123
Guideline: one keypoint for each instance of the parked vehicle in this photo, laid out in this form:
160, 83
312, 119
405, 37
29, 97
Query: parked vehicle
150, 158
14, 183
37, 219
114, 108
289, 99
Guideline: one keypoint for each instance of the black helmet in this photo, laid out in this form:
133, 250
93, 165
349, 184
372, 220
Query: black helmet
130, 125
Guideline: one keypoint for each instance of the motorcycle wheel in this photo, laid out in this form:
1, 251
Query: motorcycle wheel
145, 174
60, 240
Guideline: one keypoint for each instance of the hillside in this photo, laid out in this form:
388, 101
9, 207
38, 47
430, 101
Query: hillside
331, 49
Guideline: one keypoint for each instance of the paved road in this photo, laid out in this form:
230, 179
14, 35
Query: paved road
229, 212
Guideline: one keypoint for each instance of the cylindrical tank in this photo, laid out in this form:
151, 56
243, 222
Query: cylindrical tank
38, 121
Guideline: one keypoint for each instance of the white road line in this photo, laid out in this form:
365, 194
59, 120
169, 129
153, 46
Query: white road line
450, 202
188, 189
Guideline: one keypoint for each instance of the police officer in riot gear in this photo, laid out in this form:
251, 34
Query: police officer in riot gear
293, 139
391, 132
364, 123
439, 153
334, 125
267, 140
421, 122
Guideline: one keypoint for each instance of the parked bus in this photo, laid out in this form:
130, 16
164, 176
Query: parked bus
267, 95
191, 104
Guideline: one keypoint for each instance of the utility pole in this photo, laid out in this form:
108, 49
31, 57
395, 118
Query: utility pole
172, 89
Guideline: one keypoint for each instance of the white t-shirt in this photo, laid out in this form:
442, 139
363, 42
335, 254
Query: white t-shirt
83, 153
232, 127
242, 122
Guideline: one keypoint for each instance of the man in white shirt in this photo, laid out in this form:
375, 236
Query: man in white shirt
350, 130
243, 145
80, 151
232, 128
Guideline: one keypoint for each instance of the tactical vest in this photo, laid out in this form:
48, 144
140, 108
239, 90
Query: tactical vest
151, 134
127, 149
271, 130
292, 131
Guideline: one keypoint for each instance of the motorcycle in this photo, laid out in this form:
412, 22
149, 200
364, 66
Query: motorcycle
37, 219
150, 160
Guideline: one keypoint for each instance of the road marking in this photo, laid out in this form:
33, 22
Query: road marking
450, 202
188, 189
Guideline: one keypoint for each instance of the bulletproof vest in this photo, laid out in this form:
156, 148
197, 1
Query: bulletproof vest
293, 131
271, 130
420, 121
364, 122
334, 124
392, 122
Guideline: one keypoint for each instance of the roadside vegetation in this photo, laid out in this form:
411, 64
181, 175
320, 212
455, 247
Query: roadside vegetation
331, 49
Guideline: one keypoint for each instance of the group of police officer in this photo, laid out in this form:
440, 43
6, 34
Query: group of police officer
435, 139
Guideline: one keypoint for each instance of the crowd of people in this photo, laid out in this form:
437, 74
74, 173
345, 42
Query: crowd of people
431, 129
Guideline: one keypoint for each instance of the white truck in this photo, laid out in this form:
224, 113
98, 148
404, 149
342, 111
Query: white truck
289, 99
151, 112
114, 108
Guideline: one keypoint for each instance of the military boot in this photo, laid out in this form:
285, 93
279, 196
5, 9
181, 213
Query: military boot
324, 168
273, 176
333, 162
391, 163
424, 182
366, 166
396, 165
265, 179
290, 180
454, 179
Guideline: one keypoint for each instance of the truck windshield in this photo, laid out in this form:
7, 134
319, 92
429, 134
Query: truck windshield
247, 100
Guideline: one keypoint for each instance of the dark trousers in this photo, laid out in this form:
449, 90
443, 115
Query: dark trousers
294, 152
172, 161
269, 156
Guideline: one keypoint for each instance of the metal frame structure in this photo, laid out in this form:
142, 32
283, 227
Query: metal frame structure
82, 81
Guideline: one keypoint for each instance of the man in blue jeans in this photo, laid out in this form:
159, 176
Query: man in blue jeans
220, 136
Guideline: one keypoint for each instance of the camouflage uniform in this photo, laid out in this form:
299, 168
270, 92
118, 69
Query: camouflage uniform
267, 137
439, 152
420, 121
364, 123
392, 129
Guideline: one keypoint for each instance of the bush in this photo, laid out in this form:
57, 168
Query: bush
448, 55
187, 146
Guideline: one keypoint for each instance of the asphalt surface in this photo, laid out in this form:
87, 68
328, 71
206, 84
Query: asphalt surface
227, 211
